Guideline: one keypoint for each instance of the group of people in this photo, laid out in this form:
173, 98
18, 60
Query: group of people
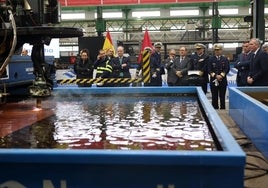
197, 69
107, 66
252, 64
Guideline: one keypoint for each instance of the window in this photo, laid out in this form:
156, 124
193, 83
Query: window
73, 16
184, 12
139, 14
112, 14
233, 11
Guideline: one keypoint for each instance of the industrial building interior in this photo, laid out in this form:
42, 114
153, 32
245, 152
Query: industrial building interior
175, 23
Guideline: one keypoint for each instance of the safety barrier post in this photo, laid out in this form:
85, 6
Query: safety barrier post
146, 74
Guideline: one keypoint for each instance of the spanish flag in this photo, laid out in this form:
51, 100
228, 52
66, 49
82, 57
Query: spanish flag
108, 43
146, 43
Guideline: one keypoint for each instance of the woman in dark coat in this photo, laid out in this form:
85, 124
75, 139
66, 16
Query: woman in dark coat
84, 68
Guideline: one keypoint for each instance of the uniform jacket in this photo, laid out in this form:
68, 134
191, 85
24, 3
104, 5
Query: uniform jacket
157, 69
200, 63
218, 67
104, 68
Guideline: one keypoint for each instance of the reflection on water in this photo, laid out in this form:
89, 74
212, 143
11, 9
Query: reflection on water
126, 123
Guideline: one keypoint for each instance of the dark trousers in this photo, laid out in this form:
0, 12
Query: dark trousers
218, 92
198, 81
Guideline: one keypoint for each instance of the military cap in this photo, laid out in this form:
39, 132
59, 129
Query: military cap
148, 48
158, 44
217, 47
199, 45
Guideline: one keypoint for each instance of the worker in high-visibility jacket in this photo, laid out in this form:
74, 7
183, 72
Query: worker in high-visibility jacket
103, 67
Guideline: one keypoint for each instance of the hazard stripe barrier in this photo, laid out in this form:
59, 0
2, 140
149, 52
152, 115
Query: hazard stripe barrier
100, 80
146, 66
145, 75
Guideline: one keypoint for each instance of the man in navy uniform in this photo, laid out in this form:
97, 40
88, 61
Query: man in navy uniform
199, 62
156, 67
218, 68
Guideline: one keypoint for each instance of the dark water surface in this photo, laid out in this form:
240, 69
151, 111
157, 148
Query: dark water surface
117, 122
260, 96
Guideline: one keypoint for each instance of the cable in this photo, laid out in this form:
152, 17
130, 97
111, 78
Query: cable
242, 138
5, 35
256, 176
255, 168
14, 42
257, 156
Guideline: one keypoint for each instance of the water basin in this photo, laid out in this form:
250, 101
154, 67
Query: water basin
128, 167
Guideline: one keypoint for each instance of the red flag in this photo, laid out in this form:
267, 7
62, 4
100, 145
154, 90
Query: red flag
145, 43
108, 43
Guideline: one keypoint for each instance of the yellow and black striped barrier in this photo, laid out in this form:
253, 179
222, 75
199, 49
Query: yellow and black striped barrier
100, 80
146, 66
145, 75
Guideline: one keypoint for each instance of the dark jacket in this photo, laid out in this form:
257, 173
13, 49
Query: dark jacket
103, 67
118, 70
156, 69
200, 63
84, 69
242, 66
218, 67
171, 72
259, 69
182, 66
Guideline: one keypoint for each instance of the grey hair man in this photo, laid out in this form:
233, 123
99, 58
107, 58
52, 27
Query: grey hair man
258, 71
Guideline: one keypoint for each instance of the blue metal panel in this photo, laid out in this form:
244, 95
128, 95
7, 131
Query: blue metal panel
46, 168
251, 116
20, 69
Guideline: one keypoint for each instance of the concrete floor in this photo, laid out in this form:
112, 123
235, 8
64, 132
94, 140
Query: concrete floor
256, 170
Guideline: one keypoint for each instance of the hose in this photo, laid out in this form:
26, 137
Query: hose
14, 42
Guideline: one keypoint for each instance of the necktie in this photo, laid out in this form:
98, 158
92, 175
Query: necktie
121, 60
245, 56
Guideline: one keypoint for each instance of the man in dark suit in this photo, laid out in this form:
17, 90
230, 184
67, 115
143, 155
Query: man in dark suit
169, 64
121, 66
182, 64
258, 72
242, 65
